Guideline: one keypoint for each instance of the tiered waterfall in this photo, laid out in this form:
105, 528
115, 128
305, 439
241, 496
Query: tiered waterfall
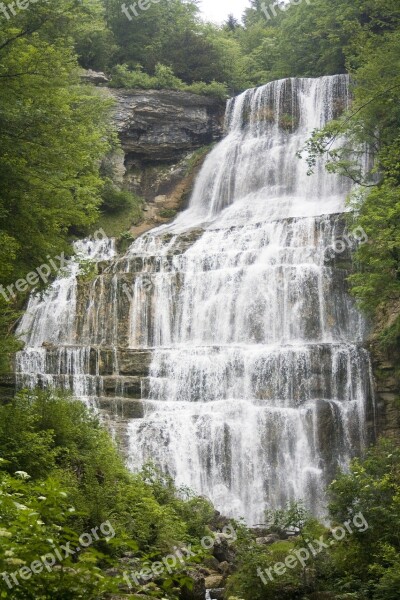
227, 342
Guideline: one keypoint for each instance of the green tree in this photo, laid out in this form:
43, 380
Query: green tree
54, 132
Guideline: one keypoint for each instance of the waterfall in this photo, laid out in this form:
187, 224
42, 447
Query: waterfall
47, 327
258, 386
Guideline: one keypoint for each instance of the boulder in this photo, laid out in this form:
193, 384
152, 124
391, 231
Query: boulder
94, 77
217, 593
198, 591
214, 581
223, 550
268, 539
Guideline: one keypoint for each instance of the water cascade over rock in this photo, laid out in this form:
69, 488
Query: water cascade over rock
226, 343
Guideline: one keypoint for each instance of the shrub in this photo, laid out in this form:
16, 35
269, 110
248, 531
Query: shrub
214, 89
122, 77
60, 476
164, 78
114, 199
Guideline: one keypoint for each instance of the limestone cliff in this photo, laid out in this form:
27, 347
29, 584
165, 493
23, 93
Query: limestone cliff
387, 376
164, 134
159, 126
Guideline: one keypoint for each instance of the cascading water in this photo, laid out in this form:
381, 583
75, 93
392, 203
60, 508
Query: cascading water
259, 387
50, 320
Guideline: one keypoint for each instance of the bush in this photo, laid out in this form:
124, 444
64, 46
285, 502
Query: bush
164, 79
114, 199
214, 89
61, 476
122, 77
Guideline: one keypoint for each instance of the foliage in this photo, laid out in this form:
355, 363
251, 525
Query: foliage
167, 213
163, 78
372, 122
74, 480
368, 560
115, 222
364, 565
214, 89
172, 33
53, 134
114, 200
35, 521
251, 580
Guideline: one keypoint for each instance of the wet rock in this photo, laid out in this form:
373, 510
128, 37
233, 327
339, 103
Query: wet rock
211, 563
125, 408
134, 362
225, 568
223, 550
217, 593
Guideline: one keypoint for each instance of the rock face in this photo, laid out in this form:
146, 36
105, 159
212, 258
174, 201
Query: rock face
164, 125
161, 133
387, 391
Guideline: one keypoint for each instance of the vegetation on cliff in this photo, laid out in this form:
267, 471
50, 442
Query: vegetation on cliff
57, 131
54, 135
373, 122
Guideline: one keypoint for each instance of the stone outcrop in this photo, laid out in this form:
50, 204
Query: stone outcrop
7, 387
95, 77
165, 136
387, 390
160, 131
164, 125
109, 367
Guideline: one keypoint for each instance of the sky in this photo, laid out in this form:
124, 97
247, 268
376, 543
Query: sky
218, 10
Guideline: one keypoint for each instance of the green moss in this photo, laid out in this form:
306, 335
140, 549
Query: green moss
288, 122
167, 213
88, 271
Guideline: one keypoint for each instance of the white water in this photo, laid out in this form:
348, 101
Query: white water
259, 388
50, 320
